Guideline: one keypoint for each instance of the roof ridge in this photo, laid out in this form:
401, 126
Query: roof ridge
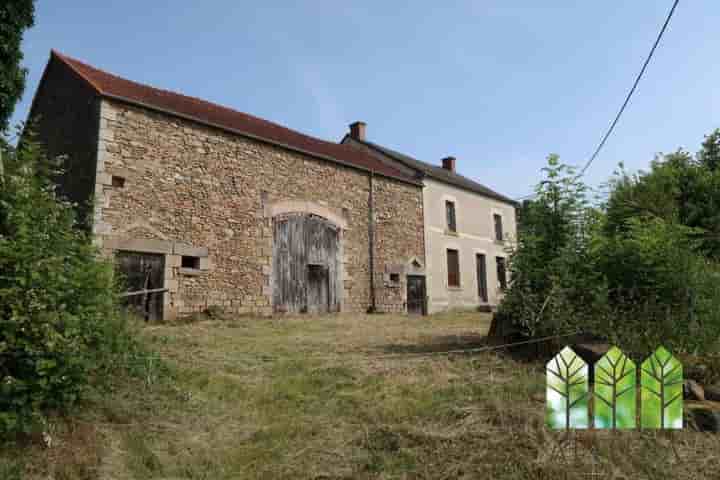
225, 118
70, 61
397, 156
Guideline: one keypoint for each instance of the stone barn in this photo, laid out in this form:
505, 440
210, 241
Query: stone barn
225, 209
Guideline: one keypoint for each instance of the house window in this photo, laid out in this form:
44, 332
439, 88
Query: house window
453, 268
395, 278
498, 227
482, 277
450, 216
190, 262
502, 279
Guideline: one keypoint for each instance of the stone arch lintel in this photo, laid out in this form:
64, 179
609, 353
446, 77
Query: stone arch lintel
303, 206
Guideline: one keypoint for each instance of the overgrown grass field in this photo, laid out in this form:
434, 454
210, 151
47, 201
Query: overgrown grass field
348, 396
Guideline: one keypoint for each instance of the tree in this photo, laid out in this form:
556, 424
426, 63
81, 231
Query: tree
16, 16
677, 188
709, 155
60, 326
639, 270
550, 264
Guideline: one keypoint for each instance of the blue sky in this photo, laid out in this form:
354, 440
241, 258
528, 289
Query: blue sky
497, 84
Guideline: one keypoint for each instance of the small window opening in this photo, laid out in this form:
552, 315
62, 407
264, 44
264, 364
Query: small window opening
190, 262
394, 278
498, 227
118, 182
501, 273
450, 216
453, 268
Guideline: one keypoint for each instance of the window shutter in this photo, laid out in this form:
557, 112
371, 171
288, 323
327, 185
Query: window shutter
453, 268
450, 215
482, 277
498, 227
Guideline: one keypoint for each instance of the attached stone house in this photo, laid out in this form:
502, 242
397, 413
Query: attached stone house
225, 209
468, 228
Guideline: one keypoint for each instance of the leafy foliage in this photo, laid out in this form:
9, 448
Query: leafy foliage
59, 325
549, 266
639, 269
15, 17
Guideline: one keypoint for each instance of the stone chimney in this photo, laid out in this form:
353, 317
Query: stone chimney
357, 130
448, 163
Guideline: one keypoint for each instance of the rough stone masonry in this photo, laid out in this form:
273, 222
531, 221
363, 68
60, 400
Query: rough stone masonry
206, 199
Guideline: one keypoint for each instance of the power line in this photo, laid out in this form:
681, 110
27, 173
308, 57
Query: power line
632, 90
627, 98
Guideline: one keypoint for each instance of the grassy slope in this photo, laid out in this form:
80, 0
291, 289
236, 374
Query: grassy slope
338, 397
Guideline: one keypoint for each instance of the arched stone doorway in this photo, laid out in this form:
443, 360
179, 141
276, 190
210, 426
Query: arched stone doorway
306, 263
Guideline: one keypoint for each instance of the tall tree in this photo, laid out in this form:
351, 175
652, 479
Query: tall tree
709, 155
16, 16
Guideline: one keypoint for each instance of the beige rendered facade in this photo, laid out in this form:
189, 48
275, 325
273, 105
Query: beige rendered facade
473, 239
468, 229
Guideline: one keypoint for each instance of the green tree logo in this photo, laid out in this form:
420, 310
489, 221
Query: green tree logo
567, 391
614, 394
661, 378
615, 388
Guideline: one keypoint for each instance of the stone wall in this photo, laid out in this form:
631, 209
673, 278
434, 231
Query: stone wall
180, 185
398, 239
64, 117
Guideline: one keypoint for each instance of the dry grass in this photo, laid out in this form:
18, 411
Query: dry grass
341, 397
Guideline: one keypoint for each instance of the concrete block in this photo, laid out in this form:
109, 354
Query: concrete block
171, 285
190, 272
141, 245
184, 249
172, 261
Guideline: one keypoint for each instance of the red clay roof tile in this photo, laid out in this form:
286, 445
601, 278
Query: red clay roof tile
112, 86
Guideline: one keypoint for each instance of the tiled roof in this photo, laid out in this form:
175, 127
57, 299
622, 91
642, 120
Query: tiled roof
439, 173
112, 86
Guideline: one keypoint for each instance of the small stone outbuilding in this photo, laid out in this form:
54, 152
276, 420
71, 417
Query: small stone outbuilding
225, 209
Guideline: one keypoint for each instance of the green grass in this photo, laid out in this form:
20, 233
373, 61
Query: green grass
338, 397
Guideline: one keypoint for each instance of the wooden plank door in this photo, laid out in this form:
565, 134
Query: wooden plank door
416, 294
143, 271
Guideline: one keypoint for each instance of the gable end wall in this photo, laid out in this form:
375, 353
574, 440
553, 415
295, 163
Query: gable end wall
65, 118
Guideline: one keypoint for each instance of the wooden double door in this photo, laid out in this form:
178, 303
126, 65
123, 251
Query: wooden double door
306, 251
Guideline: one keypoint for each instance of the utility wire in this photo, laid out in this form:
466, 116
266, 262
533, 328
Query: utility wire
627, 98
632, 90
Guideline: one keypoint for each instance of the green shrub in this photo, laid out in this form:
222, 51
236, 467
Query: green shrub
59, 322
638, 278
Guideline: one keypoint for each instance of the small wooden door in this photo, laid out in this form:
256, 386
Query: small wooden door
318, 294
416, 295
143, 271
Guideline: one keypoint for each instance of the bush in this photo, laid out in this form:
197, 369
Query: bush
637, 278
59, 321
